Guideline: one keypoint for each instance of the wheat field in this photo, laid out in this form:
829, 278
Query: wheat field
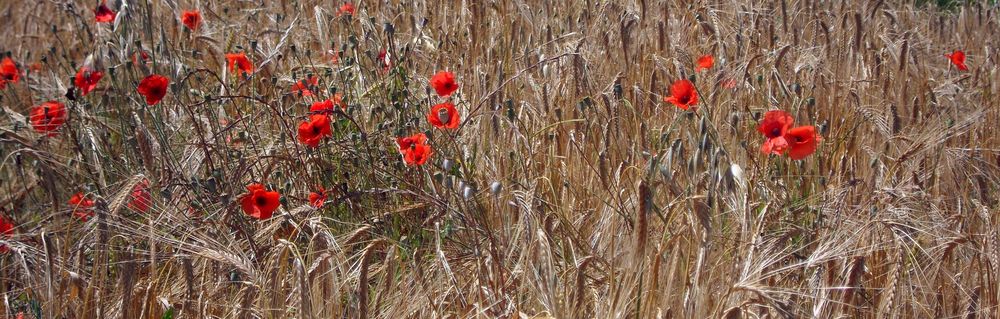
567, 188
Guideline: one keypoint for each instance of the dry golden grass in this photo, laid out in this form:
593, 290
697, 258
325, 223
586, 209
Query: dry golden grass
570, 191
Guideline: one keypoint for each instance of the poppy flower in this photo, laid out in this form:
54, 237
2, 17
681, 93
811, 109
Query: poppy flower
444, 83
682, 94
705, 62
327, 106
191, 19
141, 197
346, 8
313, 131
408, 142
238, 62
6, 231
414, 149
86, 79
385, 59
443, 115
260, 203
48, 117
153, 87
773, 126
802, 141
102, 14
8, 72
83, 208
303, 86
317, 198
958, 59
141, 54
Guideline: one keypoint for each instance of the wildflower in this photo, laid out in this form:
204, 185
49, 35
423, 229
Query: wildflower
141, 54
102, 14
346, 8
48, 117
153, 87
385, 59
327, 106
191, 19
705, 62
958, 59
414, 149
238, 62
303, 87
141, 197
317, 198
86, 79
682, 94
259, 203
773, 126
6, 231
444, 83
443, 115
8, 72
802, 141
313, 131
83, 208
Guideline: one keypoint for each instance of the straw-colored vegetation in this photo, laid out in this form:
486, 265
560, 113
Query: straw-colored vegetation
570, 189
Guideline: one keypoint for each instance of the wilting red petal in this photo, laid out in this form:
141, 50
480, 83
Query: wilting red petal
6, 231
317, 198
705, 62
303, 87
238, 62
191, 19
444, 83
82, 207
346, 8
958, 59
103, 14
142, 199
154, 88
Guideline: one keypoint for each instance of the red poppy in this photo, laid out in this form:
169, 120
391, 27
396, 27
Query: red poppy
303, 86
385, 59
6, 231
346, 8
958, 59
682, 94
414, 149
35, 67
327, 106
443, 115
317, 198
191, 19
8, 72
409, 141
86, 79
705, 62
48, 117
83, 208
775, 123
802, 141
260, 203
153, 87
141, 54
313, 131
103, 14
444, 83
142, 199
238, 62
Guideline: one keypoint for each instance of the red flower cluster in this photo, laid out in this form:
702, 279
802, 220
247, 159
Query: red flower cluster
682, 94
153, 87
48, 117
414, 149
86, 79
191, 19
8, 73
259, 202
798, 142
958, 59
83, 208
